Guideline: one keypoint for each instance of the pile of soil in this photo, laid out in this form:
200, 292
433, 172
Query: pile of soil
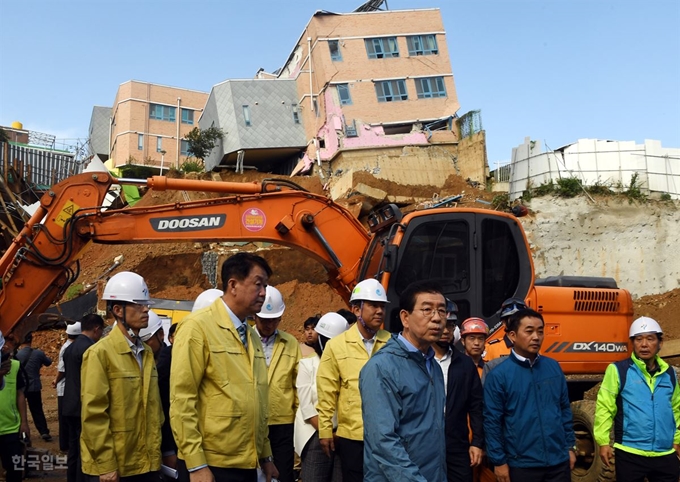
453, 186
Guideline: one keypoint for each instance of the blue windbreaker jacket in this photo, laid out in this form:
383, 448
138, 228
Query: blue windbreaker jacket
403, 412
527, 417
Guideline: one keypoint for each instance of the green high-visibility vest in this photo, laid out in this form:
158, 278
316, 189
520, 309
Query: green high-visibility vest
10, 418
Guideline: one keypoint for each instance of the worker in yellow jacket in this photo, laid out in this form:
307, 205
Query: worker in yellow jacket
218, 387
282, 354
121, 407
337, 379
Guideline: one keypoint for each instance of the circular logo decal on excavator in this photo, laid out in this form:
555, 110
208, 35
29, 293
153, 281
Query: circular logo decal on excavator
254, 219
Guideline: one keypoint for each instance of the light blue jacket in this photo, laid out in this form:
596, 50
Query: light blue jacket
403, 413
645, 414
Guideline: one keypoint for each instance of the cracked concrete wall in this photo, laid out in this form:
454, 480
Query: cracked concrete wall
408, 165
634, 244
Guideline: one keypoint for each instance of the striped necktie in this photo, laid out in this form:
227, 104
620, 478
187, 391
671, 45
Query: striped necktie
242, 333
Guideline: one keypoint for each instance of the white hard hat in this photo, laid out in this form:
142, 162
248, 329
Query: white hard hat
368, 290
644, 324
331, 324
74, 329
154, 325
206, 299
127, 286
456, 335
273, 305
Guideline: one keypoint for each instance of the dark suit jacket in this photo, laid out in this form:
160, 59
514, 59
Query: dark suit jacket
464, 397
73, 361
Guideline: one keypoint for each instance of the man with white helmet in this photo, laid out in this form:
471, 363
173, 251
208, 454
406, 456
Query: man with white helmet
72, 332
91, 329
219, 390
316, 465
338, 378
206, 299
282, 354
153, 335
640, 398
121, 414
13, 414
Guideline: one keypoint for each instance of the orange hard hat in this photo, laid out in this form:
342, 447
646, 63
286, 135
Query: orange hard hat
474, 325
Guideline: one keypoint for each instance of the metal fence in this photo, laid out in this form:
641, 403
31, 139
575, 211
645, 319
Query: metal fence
37, 166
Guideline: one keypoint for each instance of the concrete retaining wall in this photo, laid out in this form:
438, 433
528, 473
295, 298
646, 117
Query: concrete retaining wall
635, 244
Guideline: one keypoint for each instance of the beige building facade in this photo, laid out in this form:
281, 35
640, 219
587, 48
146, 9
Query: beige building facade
373, 80
148, 123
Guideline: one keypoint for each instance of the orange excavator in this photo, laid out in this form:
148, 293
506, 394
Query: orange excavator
480, 258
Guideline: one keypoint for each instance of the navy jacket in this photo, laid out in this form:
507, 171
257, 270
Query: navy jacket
464, 396
403, 413
527, 417
163, 366
73, 361
32, 360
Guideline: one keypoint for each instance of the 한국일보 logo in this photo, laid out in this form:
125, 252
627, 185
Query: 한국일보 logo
254, 219
188, 223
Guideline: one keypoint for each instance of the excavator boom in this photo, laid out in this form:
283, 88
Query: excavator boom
42, 261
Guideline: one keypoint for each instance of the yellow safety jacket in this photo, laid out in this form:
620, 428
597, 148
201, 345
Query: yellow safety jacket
337, 383
121, 409
282, 373
218, 392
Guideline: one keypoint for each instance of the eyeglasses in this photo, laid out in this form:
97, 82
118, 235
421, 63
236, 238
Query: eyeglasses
429, 312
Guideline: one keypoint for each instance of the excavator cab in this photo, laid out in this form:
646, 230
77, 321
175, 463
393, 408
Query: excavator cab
480, 258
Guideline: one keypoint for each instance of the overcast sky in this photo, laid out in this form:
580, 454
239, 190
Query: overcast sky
553, 70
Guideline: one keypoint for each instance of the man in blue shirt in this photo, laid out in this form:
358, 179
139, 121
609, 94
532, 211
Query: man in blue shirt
527, 418
402, 393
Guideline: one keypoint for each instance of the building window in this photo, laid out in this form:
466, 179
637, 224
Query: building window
343, 93
391, 90
246, 115
379, 48
422, 45
159, 144
140, 141
430, 87
162, 112
187, 116
296, 114
334, 46
184, 147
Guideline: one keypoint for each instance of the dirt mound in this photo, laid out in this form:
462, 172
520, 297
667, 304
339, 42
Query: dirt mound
304, 300
664, 308
453, 186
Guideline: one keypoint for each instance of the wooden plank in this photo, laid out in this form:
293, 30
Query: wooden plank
670, 349
5, 161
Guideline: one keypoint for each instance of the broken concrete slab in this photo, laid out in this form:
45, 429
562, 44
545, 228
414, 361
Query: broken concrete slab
372, 196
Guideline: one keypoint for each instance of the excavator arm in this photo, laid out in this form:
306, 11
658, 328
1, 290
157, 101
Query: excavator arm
43, 259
